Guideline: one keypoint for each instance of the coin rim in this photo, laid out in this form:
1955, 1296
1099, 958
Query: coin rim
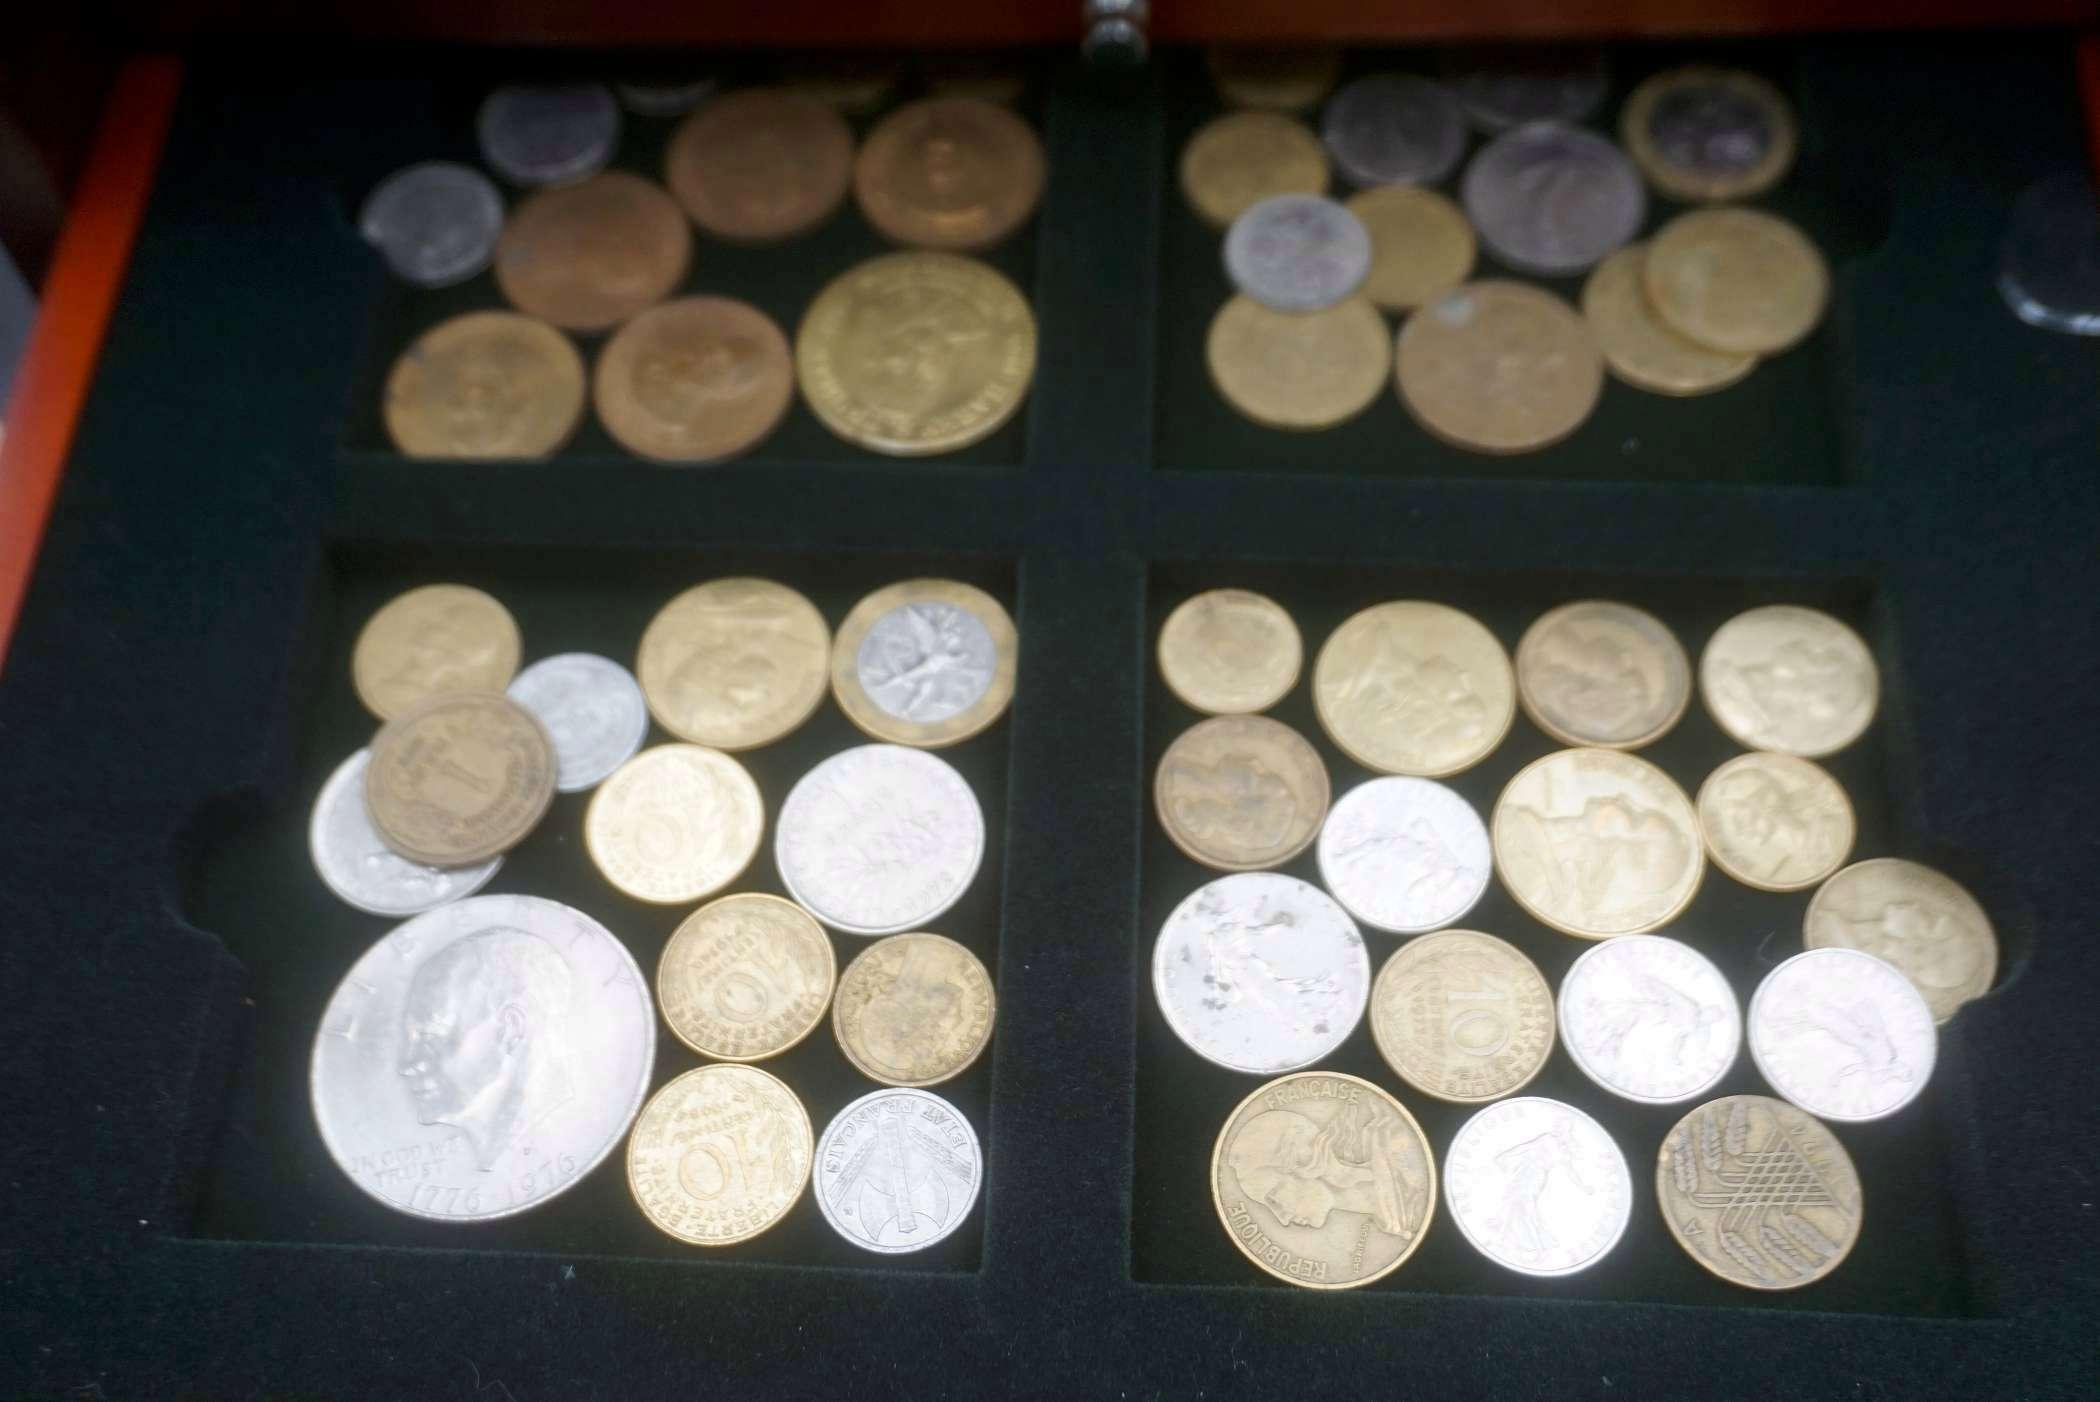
544, 193
626, 333
1823, 877
1436, 174
1866, 651
1990, 930
838, 1032
1473, 184
632, 748
1625, 1169
1188, 695
679, 140
737, 744
478, 854
1188, 845
1633, 373
1586, 742
1034, 165
1688, 187
484, 192
1596, 1076
1757, 343
339, 778
976, 1186
809, 1134
671, 942
683, 896
1199, 205
572, 360
509, 636
1235, 245
1408, 949
1443, 435
1448, 206
1487, 877
1509, 718
974, 719
1240, 406
1750, 1038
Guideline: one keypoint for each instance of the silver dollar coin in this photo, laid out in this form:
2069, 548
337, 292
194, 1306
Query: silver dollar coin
927, 661
1506, 89
1260, 972
359, 868
549, 135
1842, 1034
593, 710
1297, 253
482, 1058
435, 223
1553, 199
1537, 1186
879, 839
1394, 130
1650, 1019
897, 1171
1405, 855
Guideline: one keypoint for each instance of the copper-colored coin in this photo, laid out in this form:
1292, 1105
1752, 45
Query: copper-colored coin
928, 662
1738, 280
1229, 652
1790, 679
485, 385
761, 165
1758, 1192
949, 172
746, 977
674, 824
1638, 346
1705, 134
1498, 367
458, 778
1421, 244
1241, 159
1241, 793
1462, 1016
1298, 370
1414, 688
719, 1155
1282, 80
1913, 917
1775, 822
588, 256
1596, 672
696, 380
913, 1010
438, 639
734, 663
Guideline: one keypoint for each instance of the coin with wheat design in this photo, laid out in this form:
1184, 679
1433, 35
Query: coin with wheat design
1758, 1193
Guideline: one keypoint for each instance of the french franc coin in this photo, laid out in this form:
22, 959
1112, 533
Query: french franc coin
1597, 843
489, 385
1708, 134
1412, 687
745, 977
1501, 88
1298, 370
897, 1171
592, 709
879, 839
761, 165
1842, 1034
1421, 244
1297, 253
1639, 348
413, 1099
1497, 367
1922, 923
1392, 129
719, 1155
1404, 855
1758, 1193
1789, 679
1650, 1019
1600, 673
954, 173
549, 135
434, 222
1240, 793
432, 641
586, 257
361, 870
1537, 1186
1553, 200
1276, 79
695, 380
1242, 158
1737, 280
675, 824
928, 662
913, 1010
734, 663
456, 779
1774, 821
1462, 1016
1229, 652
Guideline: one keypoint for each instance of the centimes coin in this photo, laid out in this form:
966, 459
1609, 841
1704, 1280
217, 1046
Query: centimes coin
1704, 134
1323, 1180
1298, 370
878, 839
1414, 688
734, 663
1240, 793
484, 385
1297, 253
359, 867
431, 641
1649, 1019
913, 1010
1789, 679
1758, 1193
1277, 79
1921, 922
1775, 822
697, 380
1537, 1186
761, 165
897, 1171
719, 1155
482, 1058
1499, 88
1421, 244
745, 977
1229, 652
458, 778
435, 222
949, 172
1736, 280
928, 662
1405, 855
1498, 367
548, 135
1552, 199
1842, 1034
1260, 972
1638, 346
1462, 1016
674, 824
1243, 158
586, 257
1391, 129
1600, 673
593, 712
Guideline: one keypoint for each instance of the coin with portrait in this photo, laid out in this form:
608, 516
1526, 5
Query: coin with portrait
1789, 679
1597, 843
1922, 922
1240, 793
745, 977
926, 662
456, 779
1412, 687
1758, 1193
949, 172
1462, 1016
674, 824
1775, 822
913, 1010
1600, 673
586, 257
760, 165
430, 641
697, 380
734, 663
719, 1155
485, 385
1229, 652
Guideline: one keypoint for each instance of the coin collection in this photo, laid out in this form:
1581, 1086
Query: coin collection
1327, 1180
486, 1054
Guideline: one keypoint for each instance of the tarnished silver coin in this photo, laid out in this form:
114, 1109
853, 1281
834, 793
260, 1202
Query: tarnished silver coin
1405, 855
1391, 129
550, 135
1649, 1018
1297, 253
1553, 199
435, 222
593, 710
665, 99
1842, 1034
1503, 88
897, 1171
1537, 1186
879, 839
482, 1058
1260, 972
2049, 260
358, 866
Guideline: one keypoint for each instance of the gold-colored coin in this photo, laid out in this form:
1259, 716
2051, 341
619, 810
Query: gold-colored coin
913, 1010
761, 165
1243, 158
485, 385
1298, 370
696, 380
746, 977
1281, 80
1605, 674
949, 172
916, 353
1323, 1180
855, 84
1421, 244
928, 662
1597, 843
1706, 134
1758, 1193
1462, 1016
455, 779
1241, 793
719, 1155
1789, 679
1638, 346
432, 641
1916, 919
1737, 280
1775, 822
675, 824
1414, 688
1498, 367
1229, 652
588, 256
734, 663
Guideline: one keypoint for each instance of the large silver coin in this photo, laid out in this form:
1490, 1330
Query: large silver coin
1297, 253
482, 1058
1842, 1034
593, 710
435, 223
1405, 855
2049, 262
879, 839
1506, 88
360, 869
1260, 972
897, 1171
1394, 130
549, 135
1553, 199
1650, 1019
1537, 1186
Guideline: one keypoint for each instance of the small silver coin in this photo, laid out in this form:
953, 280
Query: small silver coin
435, 223
927, 661
1537, 1186
1843, 1035
897, 1171
359, 868
1394, 130
483, 1058
879, 839
2049, 262
1405, 855
665, 99
1507, 88
1552, 199
593, 710
1650, 1019
1297, 253
549, 135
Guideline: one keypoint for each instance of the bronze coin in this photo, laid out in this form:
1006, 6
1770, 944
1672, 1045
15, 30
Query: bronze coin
459, 777
951, 173
485, 385
761, 166
696, 380
588, 256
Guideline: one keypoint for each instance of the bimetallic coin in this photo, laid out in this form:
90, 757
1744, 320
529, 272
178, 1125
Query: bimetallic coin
734, 663
1551, 199
1279, 80
1393, 130
1537, 1186
1323, 1180
435, 222
719, 1155
433, 641
1922, 923
456, 779
1405, 855
1597, 843
592, 709
745, 977
879, 839
1240, 793
1842, 1034
1636, 344
928, 662
665, 99
484, 385
1421, 244
1706, 134
1229, 652
913, 1010
1240, 159
1775, 822
482, 1058
1260, 972
949, 172
1601, 673
1297, 253
1414, 688
897, 1171
674, 824
1498, 367
2049, 259
586, 257
1737, 280
548, 135
358, 867
1758, 1193
1501, 88
1298, 370
1649, 1019
1789, 679
697, 380
761, 165
1462, 1016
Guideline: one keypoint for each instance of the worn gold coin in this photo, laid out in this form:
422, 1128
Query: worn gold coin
1789, 679
1242, 158
674, 824
928, 662
1298, 370
696, 380
458, 778
485, 385
1738, 280
1706, 134
1241, 793
1597, 843
1775, 822
1600, 673
1758, 1192
1421, 244
949, 172
746, 977
590, 255
1913, 917
734, 663
1498, 367
430, 641
913, 1010
1323, 1180
1414, 688
1638, 346
1229, 652
1462, 1016
761, 165
719, 1155
1281, 80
